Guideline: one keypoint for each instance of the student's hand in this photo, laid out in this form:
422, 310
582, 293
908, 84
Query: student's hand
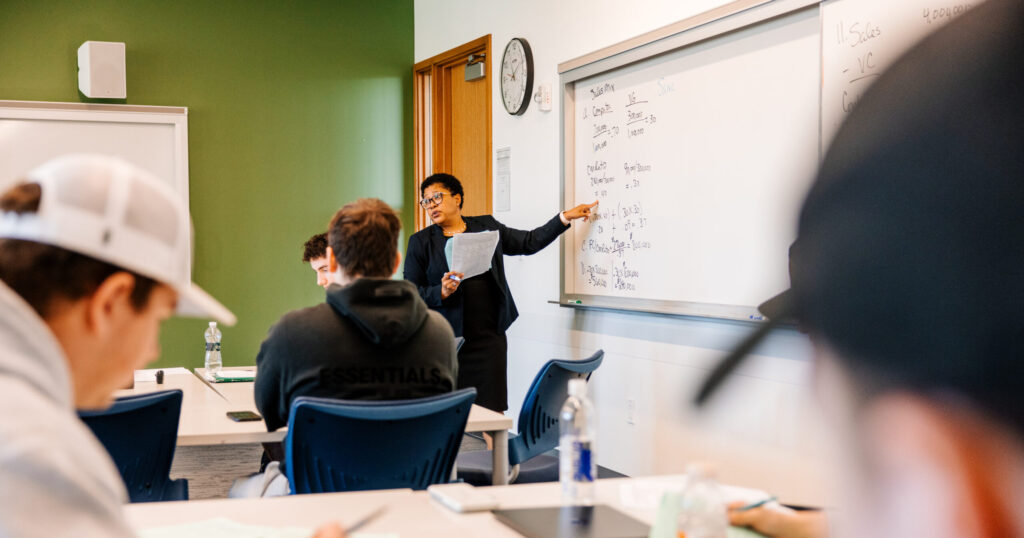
580, 211
777, 521
448, 284
331, 530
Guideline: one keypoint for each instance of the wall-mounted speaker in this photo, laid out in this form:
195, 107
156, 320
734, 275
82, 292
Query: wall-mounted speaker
101, 70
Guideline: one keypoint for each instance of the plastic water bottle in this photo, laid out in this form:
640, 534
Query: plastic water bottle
213, 362
577, 467
702, 512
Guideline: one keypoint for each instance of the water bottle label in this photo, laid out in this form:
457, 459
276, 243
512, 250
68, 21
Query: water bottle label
213, 346
582, 470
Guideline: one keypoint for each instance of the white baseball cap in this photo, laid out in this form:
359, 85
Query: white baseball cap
113, 211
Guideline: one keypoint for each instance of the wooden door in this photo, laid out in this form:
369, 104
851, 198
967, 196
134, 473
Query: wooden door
452, 120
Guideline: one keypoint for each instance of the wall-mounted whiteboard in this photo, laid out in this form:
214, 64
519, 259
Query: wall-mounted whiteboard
154, 138
701, 143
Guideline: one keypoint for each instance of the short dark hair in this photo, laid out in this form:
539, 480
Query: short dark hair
315, 247
43, 274
447, 181
364, 237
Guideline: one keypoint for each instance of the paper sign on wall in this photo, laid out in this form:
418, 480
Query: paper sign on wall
503, 180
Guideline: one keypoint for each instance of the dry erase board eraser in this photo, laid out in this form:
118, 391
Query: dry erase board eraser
101, 70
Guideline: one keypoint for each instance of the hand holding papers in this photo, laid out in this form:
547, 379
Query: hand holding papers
472, 252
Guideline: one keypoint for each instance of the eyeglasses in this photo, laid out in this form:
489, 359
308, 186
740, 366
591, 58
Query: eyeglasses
433, 199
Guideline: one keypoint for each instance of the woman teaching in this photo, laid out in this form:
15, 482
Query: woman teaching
480, 308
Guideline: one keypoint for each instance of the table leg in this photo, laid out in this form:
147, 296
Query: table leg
500, 455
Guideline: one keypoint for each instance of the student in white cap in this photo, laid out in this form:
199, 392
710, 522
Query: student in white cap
93, 256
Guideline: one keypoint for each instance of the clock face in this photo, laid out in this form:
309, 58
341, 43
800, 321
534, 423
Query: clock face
516, 76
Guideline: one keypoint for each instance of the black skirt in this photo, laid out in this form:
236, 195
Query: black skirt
483, 359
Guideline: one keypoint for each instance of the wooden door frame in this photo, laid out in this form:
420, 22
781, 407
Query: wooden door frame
432, 99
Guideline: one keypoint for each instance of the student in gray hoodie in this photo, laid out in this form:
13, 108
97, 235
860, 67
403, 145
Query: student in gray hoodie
84, 286
372, 339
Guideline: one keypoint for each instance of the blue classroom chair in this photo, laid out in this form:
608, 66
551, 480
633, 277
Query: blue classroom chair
140, 433
538, 427
354, 445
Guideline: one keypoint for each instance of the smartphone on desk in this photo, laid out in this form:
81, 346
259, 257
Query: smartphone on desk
243, 416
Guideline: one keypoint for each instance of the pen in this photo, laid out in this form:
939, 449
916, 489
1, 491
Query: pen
362, 522
455, 278
758, 504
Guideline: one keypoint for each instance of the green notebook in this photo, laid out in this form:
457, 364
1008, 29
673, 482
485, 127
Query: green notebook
233, 377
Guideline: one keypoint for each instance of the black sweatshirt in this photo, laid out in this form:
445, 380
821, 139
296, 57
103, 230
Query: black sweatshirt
374, 339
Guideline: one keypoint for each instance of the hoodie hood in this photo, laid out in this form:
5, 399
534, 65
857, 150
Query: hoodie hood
388, 312
31, 351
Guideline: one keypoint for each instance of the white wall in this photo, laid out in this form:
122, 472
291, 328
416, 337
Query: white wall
762, 430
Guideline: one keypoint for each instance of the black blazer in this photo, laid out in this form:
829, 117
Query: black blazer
425, 264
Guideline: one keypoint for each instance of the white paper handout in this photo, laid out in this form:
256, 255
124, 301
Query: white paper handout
222, 527
472, 253
142, 376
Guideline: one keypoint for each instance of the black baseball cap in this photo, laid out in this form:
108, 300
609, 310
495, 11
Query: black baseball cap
909, 261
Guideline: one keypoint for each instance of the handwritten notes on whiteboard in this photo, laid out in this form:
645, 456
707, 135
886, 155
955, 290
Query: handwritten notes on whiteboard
623, 233
699, 159
862, 38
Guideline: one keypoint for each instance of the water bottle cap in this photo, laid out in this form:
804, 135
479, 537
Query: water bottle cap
213, 324
578, 387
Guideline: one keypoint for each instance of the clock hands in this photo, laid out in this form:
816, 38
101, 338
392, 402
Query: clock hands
516, 75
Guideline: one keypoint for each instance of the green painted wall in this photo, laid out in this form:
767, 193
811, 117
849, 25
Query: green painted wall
294, 109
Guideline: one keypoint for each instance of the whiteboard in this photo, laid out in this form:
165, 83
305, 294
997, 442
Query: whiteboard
152, 137
862, 38
700, 146
699, 158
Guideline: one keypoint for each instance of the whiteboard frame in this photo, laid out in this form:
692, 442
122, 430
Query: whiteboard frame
176, 117
711, 24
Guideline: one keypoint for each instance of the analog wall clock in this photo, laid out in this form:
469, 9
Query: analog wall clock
516, 76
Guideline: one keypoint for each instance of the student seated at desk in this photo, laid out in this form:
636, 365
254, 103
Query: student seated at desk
314, 252
372, 339
909, 279
91, 257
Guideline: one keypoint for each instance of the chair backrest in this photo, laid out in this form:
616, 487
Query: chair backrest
140, 433
538, 418
354, 445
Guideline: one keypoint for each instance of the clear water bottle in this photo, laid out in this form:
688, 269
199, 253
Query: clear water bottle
213, 362
577, 468
702, 511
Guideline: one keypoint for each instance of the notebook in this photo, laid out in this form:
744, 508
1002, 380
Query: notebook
234, 376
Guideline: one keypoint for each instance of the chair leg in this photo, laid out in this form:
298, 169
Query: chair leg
513, 474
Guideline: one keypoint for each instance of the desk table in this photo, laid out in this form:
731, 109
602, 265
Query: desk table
204, 420
409, 513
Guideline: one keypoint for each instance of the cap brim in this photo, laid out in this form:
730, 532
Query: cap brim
196, 303
777, 307
778, 310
